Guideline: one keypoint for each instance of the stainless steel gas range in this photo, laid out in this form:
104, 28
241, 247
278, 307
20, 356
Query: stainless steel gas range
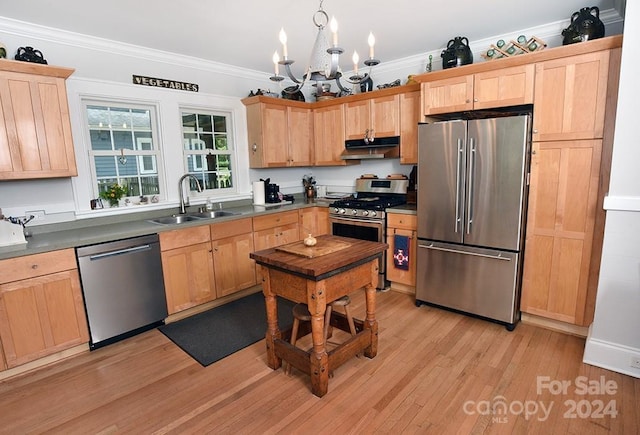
363, 215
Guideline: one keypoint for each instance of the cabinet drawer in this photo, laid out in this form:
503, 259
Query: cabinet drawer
275, 220
30, 266
184, 237
232, 228
405, 221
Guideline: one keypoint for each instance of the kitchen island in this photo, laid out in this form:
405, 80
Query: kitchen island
316, 276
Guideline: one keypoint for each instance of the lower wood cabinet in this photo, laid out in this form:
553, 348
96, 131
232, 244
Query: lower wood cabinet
187, 266
275, 229
231, 243
41, 306
314, 221
402, 225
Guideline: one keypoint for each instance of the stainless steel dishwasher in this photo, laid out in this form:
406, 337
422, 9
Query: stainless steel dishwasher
123, 288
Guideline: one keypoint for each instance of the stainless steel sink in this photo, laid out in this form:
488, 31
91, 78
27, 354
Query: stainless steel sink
182, 218
175, 219
213, 214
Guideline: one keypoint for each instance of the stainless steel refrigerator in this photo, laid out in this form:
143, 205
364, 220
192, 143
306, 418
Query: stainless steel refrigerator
471, 200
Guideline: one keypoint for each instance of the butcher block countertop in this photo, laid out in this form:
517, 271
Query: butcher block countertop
353, 252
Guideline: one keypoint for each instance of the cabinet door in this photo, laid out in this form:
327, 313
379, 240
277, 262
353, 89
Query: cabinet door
394, 274
314, 221
329, 131
300, 136
560, 226
36, 141
503, 87
402, 225
268, 135
570, 97
234, 270
272, 237
385, 116
357, 119
41, 316
188, 276
447, 95
409, 118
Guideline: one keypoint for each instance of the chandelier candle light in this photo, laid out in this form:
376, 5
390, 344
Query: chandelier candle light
324, 63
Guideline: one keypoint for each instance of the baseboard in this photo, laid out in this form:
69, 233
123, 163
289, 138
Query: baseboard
554, 325
611, 356
49, 359
214, 303
403, 288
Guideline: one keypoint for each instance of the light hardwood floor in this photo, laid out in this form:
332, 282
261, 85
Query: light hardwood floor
435, 372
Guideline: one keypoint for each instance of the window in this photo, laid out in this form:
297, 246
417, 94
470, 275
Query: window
208, 149
124, 148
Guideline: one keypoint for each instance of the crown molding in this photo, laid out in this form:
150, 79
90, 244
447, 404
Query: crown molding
48, 34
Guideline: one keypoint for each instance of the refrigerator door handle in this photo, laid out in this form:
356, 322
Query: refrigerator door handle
472, 168
455, 251
458, 170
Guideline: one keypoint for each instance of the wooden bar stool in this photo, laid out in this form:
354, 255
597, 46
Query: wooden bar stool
301, 314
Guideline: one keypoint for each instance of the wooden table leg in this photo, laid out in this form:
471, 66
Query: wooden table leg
273, 331
319, 359
371, 322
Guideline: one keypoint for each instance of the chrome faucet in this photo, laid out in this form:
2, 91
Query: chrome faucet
183, 210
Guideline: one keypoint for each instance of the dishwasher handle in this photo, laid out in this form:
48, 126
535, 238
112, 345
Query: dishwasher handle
131, 250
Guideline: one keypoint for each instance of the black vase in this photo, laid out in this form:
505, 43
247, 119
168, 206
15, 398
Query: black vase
585, 25
457, 53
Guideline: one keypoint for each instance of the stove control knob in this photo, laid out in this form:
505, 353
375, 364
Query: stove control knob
354, 212
342, 211
366, 213
335, 209
373, 213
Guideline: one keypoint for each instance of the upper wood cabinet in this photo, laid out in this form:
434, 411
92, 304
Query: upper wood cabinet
570, 97
41, 306
279, 134
328, 131
409, 118
484, 90
35, 129
374, 117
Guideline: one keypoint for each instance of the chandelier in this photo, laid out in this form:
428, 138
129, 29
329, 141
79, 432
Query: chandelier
324, 62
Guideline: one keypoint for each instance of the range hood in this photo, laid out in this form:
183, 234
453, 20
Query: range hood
378, 148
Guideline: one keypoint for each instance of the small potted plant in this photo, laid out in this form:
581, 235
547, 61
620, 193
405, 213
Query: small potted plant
113, 194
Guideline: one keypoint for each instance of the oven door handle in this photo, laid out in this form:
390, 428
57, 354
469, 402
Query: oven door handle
356, 221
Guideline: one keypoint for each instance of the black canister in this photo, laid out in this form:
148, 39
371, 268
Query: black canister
585, 26
457, 53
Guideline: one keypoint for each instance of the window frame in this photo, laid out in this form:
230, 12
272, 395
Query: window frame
138, 154
203, 152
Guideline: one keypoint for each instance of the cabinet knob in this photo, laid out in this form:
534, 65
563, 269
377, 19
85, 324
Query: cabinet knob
468, 101
475, 100
34, 266
535, 131
254, 147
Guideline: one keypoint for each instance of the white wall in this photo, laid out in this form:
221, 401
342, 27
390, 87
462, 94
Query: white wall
614, 336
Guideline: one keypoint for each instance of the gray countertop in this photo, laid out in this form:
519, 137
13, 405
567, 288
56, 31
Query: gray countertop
403, 209
99, 230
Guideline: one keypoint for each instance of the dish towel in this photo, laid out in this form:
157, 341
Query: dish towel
401, 252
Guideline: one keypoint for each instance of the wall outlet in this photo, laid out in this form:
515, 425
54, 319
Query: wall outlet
635, 362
